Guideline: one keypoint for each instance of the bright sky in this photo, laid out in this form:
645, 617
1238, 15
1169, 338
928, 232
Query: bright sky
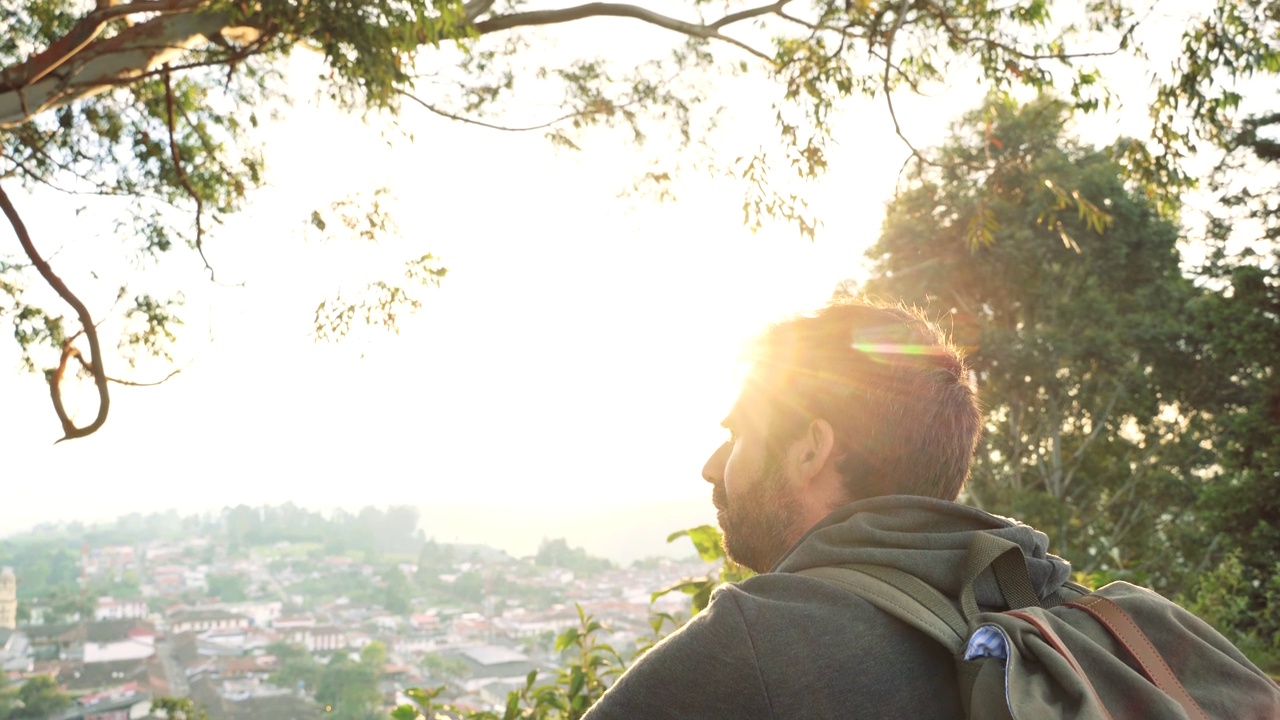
576, 360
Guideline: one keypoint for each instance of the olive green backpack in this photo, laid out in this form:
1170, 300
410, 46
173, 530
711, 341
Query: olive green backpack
1120, 652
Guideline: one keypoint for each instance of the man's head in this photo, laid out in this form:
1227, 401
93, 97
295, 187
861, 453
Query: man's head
855, 401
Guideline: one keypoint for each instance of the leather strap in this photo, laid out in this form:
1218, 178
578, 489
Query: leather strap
1056, 643
1126, 631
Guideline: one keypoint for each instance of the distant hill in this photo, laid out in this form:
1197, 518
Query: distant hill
619, 534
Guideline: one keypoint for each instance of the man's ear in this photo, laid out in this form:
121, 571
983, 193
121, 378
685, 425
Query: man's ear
814, 450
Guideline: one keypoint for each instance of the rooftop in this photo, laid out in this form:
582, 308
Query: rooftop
494, 654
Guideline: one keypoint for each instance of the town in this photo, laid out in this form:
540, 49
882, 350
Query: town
283, 613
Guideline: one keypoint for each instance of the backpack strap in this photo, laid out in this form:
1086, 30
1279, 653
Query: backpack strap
1009, 565
917, 605
1065, 594
1126, 631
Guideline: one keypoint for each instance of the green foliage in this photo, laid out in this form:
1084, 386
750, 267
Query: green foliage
172, 708
1235, 365
371, 531
399, 593
165, 109
49, 568
1072, 308
37, 699
348, 689
1223, 597
227, 588
440, 667
297, 667
707, 541
557, 553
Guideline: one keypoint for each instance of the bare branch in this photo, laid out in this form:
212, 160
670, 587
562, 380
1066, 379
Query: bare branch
749, 13
182, 173
69, 428
134, 383
508, 128
885, 83
483, 124
183, 178
804, 23
100, 191
604, 9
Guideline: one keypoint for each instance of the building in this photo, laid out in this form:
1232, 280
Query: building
109, 608
185, 621
8, 599
57, 641
318, 639
16, 655
124, 703
101, 679
116, 640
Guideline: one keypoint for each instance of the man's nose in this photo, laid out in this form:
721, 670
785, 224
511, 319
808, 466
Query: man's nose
713, 471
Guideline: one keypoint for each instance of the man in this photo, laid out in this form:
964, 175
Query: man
851, 438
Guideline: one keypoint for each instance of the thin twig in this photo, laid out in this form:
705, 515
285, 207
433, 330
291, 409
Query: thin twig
888, 90
481, 123
69, 428
135, 383
507, 128
964, 39
182, 175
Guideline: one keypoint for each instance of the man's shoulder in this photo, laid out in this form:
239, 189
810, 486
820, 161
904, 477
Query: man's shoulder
784, 645
779, 603
784, 592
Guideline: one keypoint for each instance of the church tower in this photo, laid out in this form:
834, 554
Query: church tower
8, 599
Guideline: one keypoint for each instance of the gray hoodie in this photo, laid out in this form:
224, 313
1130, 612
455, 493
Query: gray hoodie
786, 646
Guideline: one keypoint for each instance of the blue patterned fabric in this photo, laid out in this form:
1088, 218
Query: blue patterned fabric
987, 641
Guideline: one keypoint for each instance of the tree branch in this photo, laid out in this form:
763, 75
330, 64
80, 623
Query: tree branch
941, 15
69, 428
483, 124
885, 83
604, 9
182, 173
133, 383
84, 32
102, 64
476, 8
523, 128
749, 13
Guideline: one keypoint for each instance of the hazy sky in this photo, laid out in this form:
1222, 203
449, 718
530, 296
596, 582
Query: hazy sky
576, 360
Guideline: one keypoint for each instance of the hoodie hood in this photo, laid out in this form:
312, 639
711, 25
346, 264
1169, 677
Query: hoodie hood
925, 537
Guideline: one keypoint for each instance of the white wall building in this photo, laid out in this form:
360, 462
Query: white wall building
114, 641
112, 609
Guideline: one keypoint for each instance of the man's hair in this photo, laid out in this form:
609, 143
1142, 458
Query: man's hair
893, 387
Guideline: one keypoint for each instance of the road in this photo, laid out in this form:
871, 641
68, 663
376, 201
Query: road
173, 671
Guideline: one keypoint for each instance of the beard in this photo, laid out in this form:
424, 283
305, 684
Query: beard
760, 526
